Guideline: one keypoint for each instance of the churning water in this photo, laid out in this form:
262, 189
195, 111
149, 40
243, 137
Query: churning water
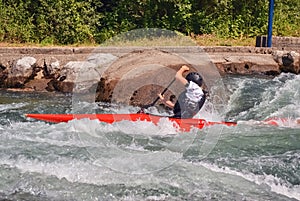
89, 160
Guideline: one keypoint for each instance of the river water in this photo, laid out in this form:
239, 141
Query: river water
89, 160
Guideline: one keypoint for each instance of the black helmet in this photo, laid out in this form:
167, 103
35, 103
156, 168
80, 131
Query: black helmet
195, 77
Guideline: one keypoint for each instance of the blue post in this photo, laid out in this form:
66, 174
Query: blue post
270, 22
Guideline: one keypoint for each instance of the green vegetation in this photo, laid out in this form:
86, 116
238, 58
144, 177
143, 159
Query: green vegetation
71, 22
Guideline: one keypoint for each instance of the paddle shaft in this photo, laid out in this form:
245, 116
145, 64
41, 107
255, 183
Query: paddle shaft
152, 104
164, 91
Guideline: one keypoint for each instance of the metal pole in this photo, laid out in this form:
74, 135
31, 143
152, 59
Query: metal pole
270, 22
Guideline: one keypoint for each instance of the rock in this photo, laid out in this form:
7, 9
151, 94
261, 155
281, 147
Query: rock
21, 72
101, 59
247, 64
136, 78
23, 67
37, 84
3, 75
83, 75
67, 77
289, 61
51, 70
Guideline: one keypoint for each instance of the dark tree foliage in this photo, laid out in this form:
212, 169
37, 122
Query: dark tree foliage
94, 21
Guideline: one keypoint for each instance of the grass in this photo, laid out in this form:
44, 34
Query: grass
211, 40
201, 40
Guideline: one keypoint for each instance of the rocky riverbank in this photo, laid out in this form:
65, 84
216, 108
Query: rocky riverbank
107, 69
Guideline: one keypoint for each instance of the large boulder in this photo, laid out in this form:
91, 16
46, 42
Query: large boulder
137, 77
289, 61
21, 72
246, 64
67, 79
80, 75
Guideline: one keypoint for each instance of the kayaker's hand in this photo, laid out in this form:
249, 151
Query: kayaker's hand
161, 96
184, 68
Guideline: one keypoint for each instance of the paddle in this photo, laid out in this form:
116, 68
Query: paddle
155, 101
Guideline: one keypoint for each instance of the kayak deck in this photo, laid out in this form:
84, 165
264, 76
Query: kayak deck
183, 124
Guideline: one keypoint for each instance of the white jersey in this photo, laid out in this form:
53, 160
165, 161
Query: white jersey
194, 92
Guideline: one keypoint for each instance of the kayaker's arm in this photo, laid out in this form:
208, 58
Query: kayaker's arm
169, 103
179, 75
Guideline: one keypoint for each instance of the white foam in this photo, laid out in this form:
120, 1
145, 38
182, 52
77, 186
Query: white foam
89, 172
11, 106
164, 127
281, 97
277, 185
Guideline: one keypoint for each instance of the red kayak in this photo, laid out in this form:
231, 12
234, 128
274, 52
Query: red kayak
182, 124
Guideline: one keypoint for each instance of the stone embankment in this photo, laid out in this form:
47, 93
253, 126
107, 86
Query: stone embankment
108, 69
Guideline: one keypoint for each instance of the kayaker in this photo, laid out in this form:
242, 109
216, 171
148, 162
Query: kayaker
192, 99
